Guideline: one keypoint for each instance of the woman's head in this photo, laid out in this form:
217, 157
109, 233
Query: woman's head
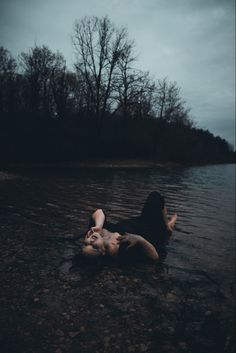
94, 245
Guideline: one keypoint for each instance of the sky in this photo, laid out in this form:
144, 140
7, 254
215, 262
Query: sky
191, 42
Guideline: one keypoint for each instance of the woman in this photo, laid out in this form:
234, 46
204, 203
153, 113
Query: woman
134, 239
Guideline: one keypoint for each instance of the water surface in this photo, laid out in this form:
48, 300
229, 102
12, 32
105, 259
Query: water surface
60, 202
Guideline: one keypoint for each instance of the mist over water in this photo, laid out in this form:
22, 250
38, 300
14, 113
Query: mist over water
60, 201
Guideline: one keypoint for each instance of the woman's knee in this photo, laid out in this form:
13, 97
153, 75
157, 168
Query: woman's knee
156, 199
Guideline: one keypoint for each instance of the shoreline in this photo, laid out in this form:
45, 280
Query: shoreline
101, 164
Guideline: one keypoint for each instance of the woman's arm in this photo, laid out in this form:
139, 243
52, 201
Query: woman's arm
99, 218
134, 239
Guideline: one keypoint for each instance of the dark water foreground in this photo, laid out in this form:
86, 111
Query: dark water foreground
50, 304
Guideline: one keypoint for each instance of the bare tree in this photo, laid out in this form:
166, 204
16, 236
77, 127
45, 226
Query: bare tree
134, 87
8, 73
169, 104
126, 80
135, 93
144, 96
99, 45
61, 85
44, 71
161, 97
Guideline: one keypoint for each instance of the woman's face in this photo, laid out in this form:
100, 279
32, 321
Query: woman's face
94, 244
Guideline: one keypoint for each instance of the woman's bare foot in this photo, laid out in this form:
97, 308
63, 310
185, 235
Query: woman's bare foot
171, 222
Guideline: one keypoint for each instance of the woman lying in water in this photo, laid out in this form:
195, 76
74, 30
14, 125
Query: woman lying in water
137, 238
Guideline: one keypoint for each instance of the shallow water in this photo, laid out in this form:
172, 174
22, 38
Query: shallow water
60, 202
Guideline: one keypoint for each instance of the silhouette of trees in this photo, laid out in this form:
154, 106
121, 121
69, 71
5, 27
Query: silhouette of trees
8, 68
135, 93
61, 84
46, 83
104, 108
99, 47
169, 104
104, 65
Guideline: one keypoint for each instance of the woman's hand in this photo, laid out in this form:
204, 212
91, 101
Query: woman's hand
131, 239
95, 229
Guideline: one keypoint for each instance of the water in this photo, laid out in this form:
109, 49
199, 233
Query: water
60, 202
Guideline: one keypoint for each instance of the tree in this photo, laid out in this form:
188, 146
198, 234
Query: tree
8, 73
169, 104
45, 74
99, 46
61, 83
125, 81
133, 88
143, 96
161, 97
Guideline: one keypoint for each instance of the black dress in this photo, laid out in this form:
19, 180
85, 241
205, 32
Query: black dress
150, 224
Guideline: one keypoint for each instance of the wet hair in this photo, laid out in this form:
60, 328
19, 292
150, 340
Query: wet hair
84, 260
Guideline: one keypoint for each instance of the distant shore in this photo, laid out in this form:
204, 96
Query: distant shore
102, 164
106, 164
94, 164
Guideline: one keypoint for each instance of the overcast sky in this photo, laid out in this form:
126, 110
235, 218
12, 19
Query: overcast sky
190, 41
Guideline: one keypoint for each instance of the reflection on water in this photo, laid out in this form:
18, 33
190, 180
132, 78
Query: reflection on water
61, 201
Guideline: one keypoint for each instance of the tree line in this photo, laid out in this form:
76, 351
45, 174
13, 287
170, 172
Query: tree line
103, 108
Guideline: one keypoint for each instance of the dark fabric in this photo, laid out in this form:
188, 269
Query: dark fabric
150, 224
